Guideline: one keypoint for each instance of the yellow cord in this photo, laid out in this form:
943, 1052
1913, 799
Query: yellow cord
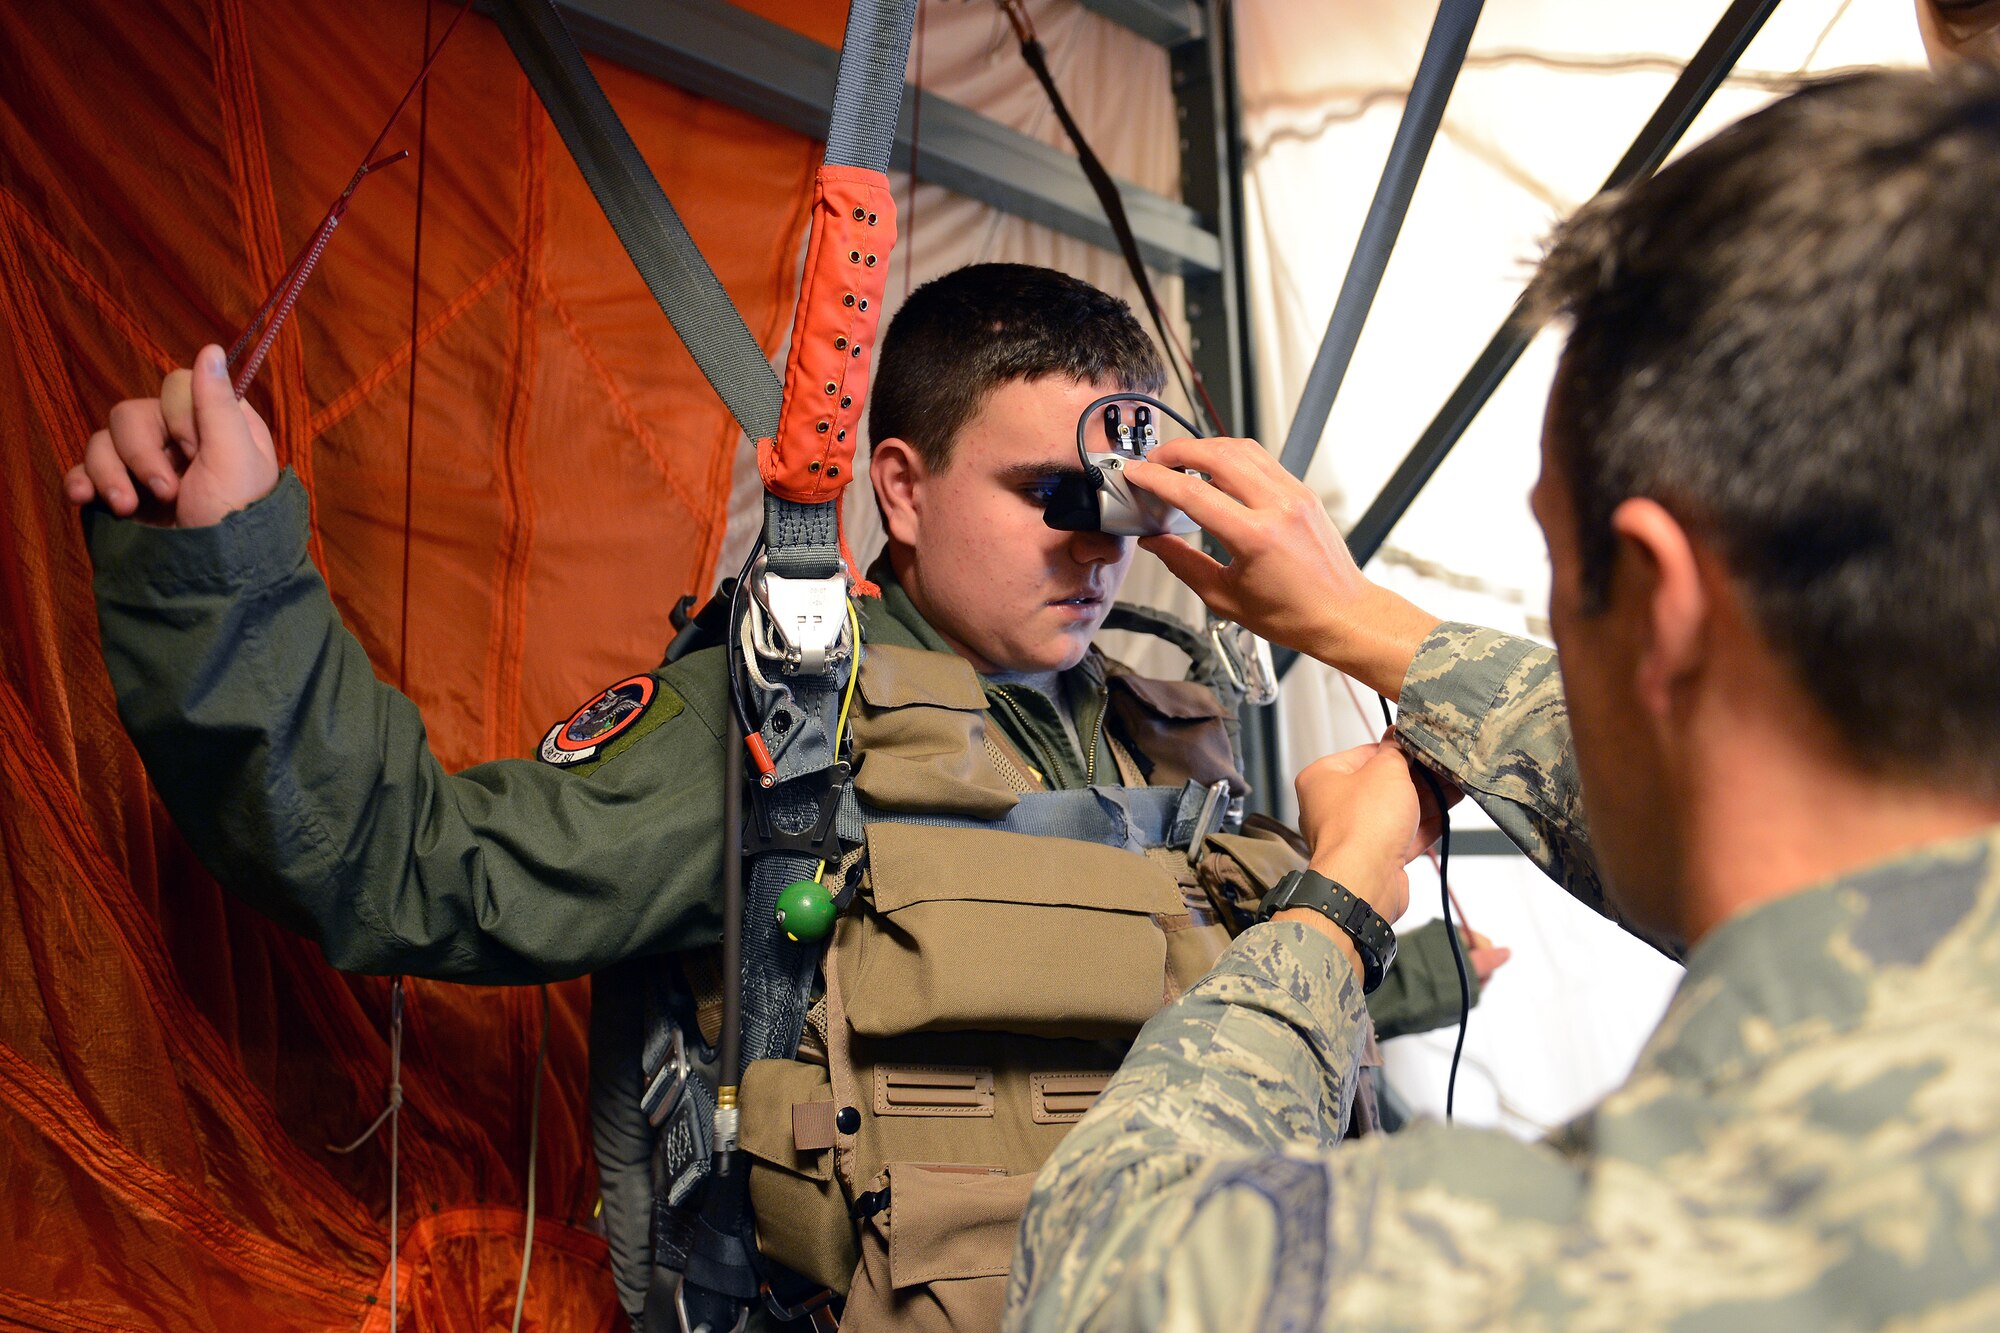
846, 702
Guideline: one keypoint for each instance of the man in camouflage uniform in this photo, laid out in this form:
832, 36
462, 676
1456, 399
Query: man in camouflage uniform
1769, 481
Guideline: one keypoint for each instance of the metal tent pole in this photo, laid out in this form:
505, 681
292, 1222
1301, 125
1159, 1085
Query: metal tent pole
1423, 112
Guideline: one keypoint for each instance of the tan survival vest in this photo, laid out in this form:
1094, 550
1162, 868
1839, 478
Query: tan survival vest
979, 991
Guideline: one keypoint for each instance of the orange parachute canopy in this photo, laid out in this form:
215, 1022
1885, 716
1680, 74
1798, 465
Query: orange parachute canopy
172, 1066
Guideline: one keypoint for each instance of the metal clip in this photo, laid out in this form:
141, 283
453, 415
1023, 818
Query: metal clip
800, 623
1117, 432
664, 1088
1247, 661
716, 1303
1214, 809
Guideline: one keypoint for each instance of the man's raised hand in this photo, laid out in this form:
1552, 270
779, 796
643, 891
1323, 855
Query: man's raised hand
187, 459
1290, 577
1361, 815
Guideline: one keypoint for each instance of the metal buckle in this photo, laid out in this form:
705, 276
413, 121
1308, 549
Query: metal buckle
813, 1305
665, 1088
800, 623
1247, 661
681, 1313
1208, 821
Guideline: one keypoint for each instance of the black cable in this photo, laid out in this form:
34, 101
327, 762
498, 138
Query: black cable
736, 637
1113, 204
1451, 931
1451, 928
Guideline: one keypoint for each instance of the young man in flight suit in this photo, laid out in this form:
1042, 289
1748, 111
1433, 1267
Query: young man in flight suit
1769, 480
307, 786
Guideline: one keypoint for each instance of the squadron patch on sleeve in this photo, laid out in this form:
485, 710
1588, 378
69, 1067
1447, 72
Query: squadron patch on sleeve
582, 736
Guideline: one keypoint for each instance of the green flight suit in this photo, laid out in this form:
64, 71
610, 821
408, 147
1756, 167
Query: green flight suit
1810, 1139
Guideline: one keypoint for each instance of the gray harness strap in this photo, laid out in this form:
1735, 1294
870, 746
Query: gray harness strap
1134, 818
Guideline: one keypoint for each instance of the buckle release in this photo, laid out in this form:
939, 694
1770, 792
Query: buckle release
807, 619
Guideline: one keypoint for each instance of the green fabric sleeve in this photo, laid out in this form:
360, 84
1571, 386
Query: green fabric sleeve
308, 787
1420, 994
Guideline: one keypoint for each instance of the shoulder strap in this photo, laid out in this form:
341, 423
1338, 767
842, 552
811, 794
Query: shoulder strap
689, 293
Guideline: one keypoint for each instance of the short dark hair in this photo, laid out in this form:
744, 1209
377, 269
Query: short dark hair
959, 337
1790, 339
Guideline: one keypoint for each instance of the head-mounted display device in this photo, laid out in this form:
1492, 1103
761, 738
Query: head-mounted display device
1099, 497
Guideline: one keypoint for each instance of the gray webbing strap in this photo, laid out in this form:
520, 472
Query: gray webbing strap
652, 233
801, 541
799, 721
1131, 818
868, 96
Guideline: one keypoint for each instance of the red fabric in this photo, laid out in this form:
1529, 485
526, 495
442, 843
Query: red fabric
172, 1066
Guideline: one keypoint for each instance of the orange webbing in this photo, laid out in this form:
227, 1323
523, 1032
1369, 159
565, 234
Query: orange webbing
833, 336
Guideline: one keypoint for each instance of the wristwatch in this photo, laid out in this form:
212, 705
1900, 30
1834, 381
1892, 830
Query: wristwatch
1373, 937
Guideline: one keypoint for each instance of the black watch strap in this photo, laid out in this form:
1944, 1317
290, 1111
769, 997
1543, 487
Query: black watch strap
1374, 939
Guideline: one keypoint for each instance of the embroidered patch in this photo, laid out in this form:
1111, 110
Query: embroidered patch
582, 735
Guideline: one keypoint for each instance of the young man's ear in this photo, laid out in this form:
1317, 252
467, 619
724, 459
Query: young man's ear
1665, 574
898, 474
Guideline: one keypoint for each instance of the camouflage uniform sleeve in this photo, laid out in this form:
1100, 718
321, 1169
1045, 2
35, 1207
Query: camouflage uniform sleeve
1486, 710
308, 787
1206, 1189
1261, 1054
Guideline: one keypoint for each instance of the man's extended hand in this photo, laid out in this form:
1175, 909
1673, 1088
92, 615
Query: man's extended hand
1290, 577
186, 459
1483, 956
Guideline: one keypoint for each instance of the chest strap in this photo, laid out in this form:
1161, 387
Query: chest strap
1136, 819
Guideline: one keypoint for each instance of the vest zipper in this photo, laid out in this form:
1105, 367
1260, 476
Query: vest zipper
1096, 730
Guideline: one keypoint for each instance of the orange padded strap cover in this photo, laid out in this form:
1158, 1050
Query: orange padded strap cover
833, 336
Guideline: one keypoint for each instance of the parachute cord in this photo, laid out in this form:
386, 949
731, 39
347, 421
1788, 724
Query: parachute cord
534, 1140
391, 1115
395, 1141
410, 405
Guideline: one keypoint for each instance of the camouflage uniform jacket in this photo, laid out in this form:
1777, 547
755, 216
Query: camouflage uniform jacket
1809, 1139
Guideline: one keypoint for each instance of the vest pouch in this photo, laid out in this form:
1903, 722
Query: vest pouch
1180, 728
978, 929
936, 1259
787, 1132
1238, 869
920, 736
